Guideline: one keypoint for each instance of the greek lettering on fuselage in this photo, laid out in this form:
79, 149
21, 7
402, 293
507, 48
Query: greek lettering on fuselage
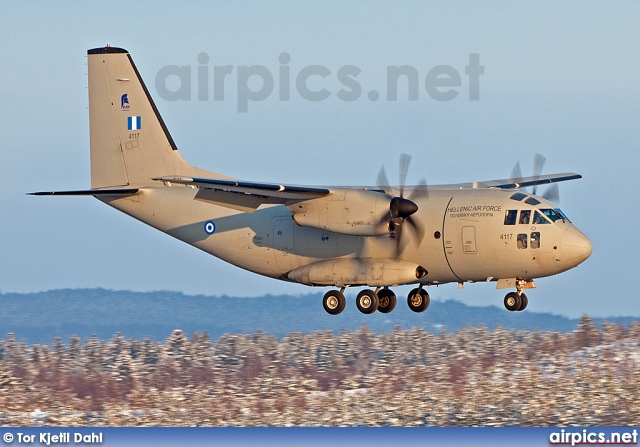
473, 210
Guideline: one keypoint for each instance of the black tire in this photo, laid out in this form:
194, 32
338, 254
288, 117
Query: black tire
418, 300
524, 303
367, 301
386, 301
333, 302
512, 301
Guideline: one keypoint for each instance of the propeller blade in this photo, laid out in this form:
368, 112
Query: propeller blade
382, 181
538, 163
552, 194
516, 172
403, 239
401, 209
405, 160
418, 228
420, 190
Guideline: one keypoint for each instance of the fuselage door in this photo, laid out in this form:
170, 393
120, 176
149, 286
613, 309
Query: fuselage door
469, 240
283, 241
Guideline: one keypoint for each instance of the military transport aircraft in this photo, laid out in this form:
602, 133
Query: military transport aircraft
372, 237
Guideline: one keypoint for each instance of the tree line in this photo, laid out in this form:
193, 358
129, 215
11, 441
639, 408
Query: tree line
406, 377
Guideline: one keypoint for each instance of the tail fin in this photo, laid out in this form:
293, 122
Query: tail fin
130, 143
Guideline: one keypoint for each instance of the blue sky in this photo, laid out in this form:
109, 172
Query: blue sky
560, 78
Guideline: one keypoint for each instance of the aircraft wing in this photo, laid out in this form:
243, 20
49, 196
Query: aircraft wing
515, 183
242, 195
88, 192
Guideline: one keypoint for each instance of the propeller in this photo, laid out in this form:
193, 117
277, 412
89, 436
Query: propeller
552, 193
401, 208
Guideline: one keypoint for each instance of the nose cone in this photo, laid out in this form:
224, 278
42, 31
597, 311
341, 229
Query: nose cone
576, 247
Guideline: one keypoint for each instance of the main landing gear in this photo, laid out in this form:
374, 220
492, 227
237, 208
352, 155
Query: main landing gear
516, 301
334, 302
382, 300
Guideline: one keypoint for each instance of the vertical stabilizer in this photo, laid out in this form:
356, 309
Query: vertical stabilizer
130, 143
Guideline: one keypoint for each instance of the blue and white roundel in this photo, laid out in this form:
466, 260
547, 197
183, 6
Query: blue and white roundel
210, 227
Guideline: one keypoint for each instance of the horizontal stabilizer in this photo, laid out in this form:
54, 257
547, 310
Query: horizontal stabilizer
88, 192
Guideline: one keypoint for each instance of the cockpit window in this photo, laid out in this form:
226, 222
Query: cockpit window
563, 215
510, 217
532, 201
538, 219
525, 215
551, 214
518, 196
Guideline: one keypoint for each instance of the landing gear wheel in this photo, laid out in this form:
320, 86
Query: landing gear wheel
386, 301
524, 303
418, 300
333, 302
367, 301
512, 301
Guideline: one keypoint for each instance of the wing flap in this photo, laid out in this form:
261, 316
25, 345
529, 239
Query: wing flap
246, 203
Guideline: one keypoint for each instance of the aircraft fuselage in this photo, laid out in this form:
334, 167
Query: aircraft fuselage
466, 238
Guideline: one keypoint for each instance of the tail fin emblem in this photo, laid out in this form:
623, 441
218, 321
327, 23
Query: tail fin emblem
124, 102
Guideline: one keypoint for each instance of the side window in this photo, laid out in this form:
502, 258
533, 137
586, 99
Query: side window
538, 219
535, 239
525, 217
510, 217
522, 241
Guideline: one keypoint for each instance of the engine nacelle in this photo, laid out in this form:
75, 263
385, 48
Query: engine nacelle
368, 272
346, 211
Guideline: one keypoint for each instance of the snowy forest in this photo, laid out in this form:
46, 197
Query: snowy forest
590, 376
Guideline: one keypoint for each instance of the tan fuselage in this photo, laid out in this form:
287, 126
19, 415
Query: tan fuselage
465, 237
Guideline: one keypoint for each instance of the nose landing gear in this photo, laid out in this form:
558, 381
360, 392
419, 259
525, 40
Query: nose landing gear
517, 301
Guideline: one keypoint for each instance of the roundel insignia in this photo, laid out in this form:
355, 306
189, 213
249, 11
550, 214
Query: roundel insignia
210, 227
